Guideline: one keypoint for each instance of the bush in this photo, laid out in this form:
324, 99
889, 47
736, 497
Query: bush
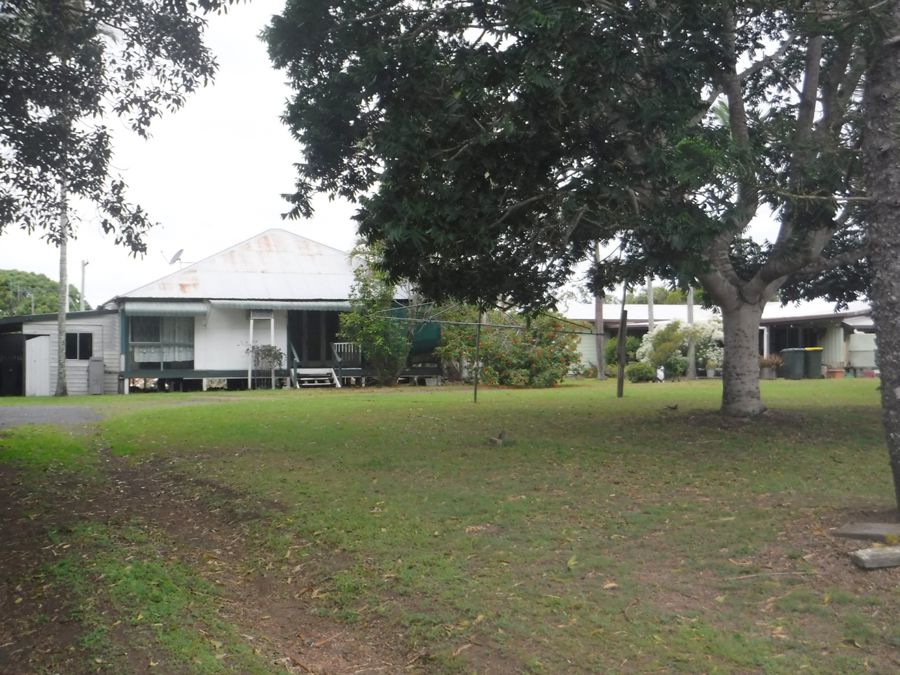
537, 354
632, 344
640, 372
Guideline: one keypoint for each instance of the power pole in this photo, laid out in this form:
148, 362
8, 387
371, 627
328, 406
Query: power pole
84, 263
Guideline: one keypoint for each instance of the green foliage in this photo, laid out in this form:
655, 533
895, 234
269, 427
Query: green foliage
500, 144
266, 357
17, 289
492, 145
640, 372
66, 62
666, 346
523, 353
488, 165
372, 320
632, 344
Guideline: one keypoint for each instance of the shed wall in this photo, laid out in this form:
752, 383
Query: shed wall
105, 332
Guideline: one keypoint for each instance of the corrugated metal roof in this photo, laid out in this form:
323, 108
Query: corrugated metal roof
157, 308
274, 265
774, 312
321, 305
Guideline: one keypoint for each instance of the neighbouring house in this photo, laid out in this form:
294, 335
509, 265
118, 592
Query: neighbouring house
847, 336
198, 326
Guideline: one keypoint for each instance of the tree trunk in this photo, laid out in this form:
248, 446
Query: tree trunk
740, 371
61, 386
881, 166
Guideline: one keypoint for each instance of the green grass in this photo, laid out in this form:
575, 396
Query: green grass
40, 448
613, 535
166, 613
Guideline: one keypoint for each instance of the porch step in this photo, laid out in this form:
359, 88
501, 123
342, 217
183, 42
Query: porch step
316, 382
316, 377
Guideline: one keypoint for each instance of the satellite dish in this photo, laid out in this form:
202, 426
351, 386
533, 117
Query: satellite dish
176, 257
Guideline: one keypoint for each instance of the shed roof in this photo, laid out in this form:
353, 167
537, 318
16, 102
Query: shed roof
774, 312
274, 265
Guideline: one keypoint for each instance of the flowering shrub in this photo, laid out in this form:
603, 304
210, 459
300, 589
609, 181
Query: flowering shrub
666, 345
708, 341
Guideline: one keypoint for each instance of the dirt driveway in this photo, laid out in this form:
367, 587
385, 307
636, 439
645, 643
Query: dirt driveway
13, 416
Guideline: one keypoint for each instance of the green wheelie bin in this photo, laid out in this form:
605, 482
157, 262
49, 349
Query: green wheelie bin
812, 363
792, 368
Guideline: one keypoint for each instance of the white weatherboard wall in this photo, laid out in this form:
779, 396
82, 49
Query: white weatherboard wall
587, 348
105, 331
221, 338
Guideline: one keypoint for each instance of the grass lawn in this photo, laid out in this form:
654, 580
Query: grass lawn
381, 530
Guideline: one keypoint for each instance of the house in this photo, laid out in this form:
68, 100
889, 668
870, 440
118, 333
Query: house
847, 336
200, 324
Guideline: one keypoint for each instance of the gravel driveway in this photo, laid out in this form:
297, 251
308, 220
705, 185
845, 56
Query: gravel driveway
11, 416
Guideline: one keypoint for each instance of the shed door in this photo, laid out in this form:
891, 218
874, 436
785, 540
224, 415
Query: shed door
37, 366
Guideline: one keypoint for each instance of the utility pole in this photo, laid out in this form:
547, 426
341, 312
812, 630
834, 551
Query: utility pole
84, 263
649, 303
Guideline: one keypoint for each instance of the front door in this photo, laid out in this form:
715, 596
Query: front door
311, 333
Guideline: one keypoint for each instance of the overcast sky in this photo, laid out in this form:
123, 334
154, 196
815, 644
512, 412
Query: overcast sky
211, 174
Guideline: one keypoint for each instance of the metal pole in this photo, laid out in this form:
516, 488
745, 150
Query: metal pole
477, 354
692, 348
599, 332
272, 342
250, 363
623, 326
84, 263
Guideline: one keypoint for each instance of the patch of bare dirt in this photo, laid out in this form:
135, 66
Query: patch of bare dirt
207, 525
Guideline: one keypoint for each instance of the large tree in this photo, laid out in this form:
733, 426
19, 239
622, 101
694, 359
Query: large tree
64, 66
490, 144
881, 161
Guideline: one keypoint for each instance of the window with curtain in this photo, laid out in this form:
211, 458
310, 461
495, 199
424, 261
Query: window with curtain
160, 342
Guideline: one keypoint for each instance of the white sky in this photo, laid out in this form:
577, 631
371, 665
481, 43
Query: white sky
211, 174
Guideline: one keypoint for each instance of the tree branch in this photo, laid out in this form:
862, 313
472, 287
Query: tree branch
822, 264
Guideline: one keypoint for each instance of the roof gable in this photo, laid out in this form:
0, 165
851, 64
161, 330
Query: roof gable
274, 265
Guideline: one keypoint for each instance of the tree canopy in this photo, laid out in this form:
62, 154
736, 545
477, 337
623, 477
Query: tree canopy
29, 293
489, 145
64, 65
